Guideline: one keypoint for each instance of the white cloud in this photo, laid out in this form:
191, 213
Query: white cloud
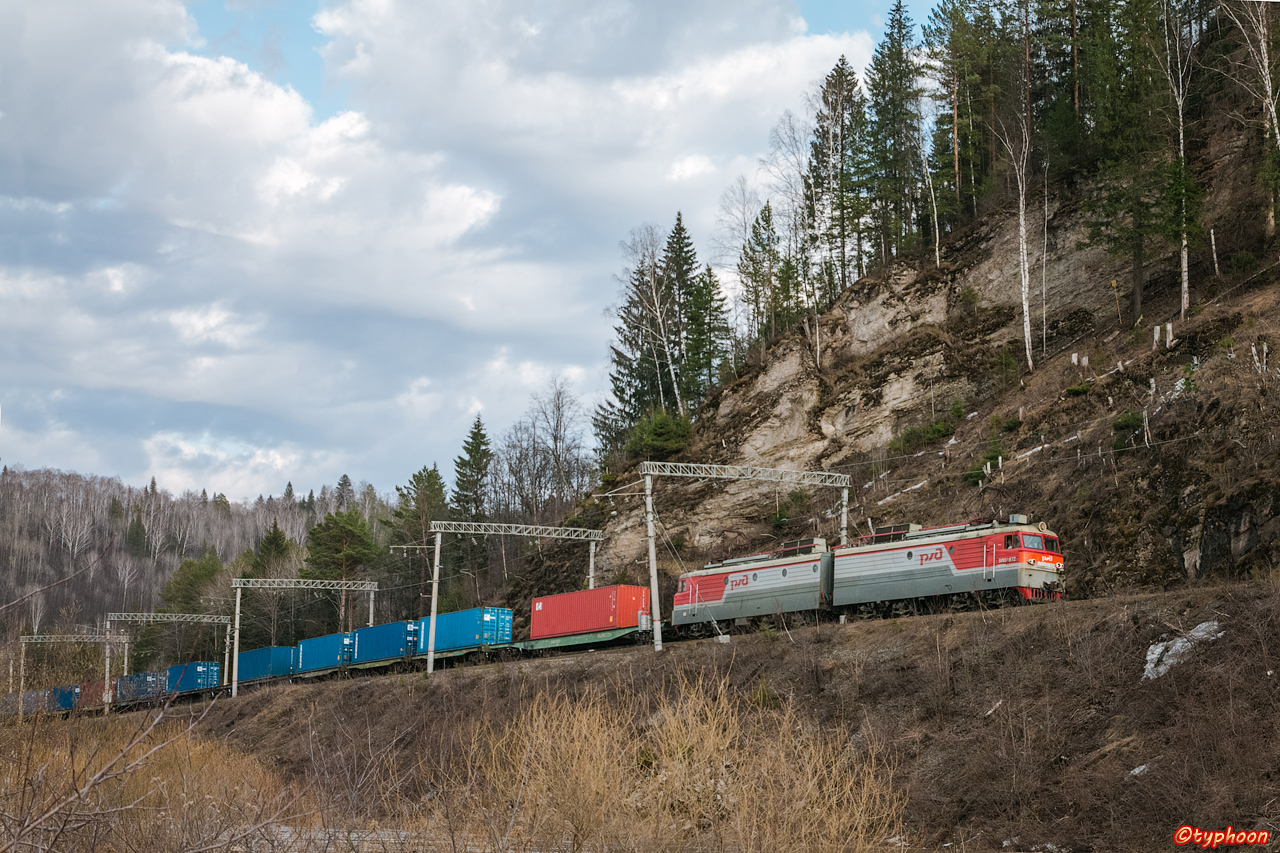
237, 468
690, 167
418, 399
194, 245
211, 323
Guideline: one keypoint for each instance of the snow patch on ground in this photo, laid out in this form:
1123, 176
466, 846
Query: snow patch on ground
1162, 656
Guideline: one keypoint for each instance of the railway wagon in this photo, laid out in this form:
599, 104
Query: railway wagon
984, 560
266, 662
466, 630
323, 654
891, 571
789, 579
34, 701
139, 687
192, 677
392, 641
91, 694
605, 608
62, 698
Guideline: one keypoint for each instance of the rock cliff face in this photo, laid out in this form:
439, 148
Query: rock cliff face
902, 349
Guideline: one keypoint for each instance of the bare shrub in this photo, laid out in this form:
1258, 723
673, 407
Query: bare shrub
91, 785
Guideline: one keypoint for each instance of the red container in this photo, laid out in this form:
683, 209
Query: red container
602, 609
91, 694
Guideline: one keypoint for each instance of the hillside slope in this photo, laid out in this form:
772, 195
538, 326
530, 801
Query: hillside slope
1155, 465
1031, 726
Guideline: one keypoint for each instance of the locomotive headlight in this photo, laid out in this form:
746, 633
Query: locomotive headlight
1031, 560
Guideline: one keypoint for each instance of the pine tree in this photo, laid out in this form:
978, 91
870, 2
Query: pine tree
185, 590
340, 548
649, 354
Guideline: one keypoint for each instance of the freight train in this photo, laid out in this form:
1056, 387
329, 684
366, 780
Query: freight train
893, 571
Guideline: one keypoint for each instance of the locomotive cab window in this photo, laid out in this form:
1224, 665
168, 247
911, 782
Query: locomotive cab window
1032, 540
1051, 544
682, 585
1010, 542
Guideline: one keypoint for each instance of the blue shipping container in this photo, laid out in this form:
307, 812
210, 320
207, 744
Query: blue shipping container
269, 662
62, 698
467, 629
323, 653
34, 700
137, 686
189, 677
392, 641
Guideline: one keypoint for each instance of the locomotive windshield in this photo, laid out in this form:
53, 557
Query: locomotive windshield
1051, 544
1032, 540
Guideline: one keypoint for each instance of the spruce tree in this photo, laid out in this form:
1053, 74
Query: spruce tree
894, 99
135, 539
834, 185
273, 549
1122, 206
346, 493
679, 268
470, 493
758, 270
421, 502
708, 335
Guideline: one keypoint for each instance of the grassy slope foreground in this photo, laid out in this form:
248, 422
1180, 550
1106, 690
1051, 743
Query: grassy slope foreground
1032, 726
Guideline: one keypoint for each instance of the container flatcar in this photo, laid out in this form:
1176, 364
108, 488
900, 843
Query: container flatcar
389, 642
466, 630
324, 654
91, 694
62, 698
266, 662
192, 677
589, 611
139, 687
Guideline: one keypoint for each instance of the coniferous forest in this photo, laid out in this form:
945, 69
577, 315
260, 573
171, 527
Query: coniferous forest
979, 110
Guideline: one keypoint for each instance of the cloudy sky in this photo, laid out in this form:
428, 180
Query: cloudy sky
246, 241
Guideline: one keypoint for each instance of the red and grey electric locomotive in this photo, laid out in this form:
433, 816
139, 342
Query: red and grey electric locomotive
894, 571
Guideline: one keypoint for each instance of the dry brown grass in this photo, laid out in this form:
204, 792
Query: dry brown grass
707, 770
124, 785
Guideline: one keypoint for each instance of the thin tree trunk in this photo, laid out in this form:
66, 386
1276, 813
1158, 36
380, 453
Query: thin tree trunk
924, 164
1023, 266
955, 126
1137, 274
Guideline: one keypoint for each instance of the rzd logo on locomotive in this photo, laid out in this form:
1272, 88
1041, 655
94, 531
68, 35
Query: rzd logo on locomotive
936, 554
740, 580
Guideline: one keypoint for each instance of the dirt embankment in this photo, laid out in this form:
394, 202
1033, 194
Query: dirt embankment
1010, 729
